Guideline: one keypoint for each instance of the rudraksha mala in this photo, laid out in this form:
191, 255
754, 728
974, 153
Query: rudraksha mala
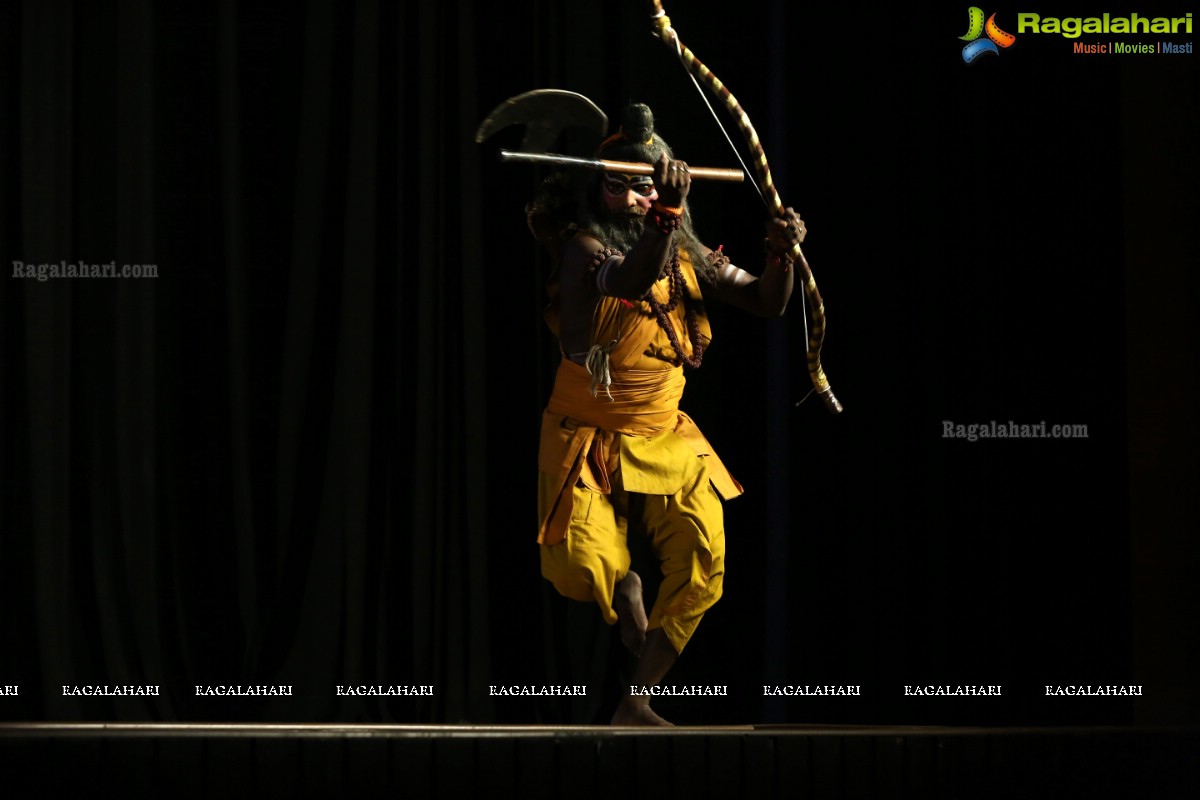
666, 224
666, 219
677, 293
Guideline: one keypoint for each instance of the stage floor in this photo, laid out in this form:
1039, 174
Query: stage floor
289, 760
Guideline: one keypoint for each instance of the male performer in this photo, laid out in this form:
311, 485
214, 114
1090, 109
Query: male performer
626, 307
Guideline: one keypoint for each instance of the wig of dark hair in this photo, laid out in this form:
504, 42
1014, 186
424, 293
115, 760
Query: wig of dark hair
636, 139
568, 201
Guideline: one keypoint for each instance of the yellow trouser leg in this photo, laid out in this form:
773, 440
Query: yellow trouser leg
688, 533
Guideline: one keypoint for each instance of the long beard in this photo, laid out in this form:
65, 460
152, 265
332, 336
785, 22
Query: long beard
620, 230
623, 231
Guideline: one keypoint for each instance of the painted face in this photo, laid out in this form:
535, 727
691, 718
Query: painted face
629, 195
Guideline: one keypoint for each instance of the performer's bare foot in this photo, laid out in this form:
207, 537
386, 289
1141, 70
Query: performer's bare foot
631, 612
636, 711
658, 655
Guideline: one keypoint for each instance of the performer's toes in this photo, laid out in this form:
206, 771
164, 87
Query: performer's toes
632, 712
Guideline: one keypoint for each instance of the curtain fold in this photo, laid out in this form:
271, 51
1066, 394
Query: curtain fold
268, 464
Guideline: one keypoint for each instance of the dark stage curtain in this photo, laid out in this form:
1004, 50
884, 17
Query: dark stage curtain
269, 464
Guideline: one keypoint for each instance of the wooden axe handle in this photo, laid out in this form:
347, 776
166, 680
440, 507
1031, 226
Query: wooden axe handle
626, 167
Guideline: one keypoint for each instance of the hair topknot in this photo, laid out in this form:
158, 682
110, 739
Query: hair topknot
637, 122
636, 139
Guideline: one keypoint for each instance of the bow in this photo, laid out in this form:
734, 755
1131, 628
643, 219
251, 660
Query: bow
766, 188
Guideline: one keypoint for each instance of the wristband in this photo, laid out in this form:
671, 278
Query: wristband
665, 224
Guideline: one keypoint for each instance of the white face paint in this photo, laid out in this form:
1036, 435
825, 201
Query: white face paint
628, 194
733, 276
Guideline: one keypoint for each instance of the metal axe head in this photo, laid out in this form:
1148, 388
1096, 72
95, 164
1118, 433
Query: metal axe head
545, 113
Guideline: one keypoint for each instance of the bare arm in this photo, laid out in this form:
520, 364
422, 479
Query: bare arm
768, 294
632, 276
587, 273
629, 276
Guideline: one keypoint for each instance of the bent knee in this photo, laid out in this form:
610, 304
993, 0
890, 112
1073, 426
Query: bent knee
583, 574
695, 593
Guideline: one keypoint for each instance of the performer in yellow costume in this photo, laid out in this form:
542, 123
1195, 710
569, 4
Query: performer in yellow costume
627, 308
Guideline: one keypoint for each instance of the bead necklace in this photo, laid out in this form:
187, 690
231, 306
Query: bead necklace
677, 293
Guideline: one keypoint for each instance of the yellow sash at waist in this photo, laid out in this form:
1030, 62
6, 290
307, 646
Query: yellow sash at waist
640, 432
644, 402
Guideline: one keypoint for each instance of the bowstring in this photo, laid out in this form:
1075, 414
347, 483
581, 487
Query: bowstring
717, 119
753, 181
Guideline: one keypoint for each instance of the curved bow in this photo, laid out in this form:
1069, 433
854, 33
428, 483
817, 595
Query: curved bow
816, 331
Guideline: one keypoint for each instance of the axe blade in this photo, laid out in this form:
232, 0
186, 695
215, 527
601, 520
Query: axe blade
545, 113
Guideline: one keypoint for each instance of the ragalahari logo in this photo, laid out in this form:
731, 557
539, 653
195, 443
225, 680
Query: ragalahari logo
976, 27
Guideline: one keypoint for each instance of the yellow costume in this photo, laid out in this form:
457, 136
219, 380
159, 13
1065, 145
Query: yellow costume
595, 450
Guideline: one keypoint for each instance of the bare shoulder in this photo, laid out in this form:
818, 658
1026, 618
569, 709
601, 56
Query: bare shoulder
581, 248
580, 256
578, 294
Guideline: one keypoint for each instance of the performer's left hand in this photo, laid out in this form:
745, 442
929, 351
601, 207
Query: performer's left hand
785, 233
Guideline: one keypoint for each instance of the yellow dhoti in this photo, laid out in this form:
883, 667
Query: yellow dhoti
596, 451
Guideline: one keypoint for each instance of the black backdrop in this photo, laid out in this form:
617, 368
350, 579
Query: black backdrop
304, 454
